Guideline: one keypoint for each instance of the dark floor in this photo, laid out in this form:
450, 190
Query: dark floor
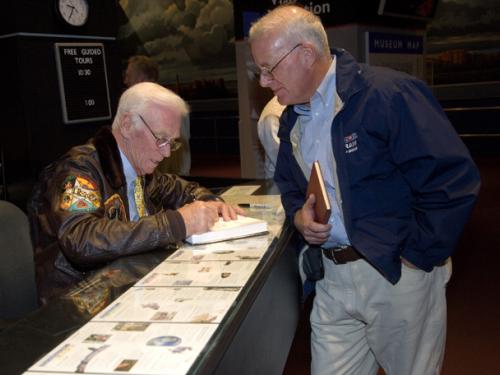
473, 344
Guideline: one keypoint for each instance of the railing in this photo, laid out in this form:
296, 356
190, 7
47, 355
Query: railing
458, 109
482, 121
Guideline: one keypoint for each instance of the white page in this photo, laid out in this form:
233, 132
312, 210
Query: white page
129, 347
240, 190
217, 273
168, 304
223, 230
207, 252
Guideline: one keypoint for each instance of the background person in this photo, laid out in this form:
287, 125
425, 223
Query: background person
267, 130
141, 68
401, 184
106, 199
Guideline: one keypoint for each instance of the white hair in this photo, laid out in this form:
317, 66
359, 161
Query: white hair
296, 24
141, 95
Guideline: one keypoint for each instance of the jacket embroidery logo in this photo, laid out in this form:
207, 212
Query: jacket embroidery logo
351, 143
114, 208
79, 195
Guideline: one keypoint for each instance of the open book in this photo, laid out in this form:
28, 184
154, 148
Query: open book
317, 187
244, 226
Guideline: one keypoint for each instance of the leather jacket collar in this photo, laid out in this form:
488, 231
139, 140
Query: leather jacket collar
109, 156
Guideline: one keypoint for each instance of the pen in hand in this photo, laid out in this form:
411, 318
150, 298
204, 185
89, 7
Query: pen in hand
255, 205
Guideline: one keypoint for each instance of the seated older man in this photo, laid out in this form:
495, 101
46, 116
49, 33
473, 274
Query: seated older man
106, 199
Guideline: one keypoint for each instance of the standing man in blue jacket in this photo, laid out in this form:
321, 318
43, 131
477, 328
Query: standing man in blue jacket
402, 186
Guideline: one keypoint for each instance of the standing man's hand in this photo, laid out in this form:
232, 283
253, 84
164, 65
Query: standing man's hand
313, 232
200, 216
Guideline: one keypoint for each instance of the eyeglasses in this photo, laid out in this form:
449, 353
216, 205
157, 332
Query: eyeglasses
162, 142
268, 72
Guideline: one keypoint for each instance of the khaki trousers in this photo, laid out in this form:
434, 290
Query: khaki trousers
360, 321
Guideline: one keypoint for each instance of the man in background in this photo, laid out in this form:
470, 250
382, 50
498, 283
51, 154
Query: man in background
141, 68
401, 185
106, 199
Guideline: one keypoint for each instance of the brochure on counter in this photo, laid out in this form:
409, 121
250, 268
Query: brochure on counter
128, 347
230, 253
248, 248
205, 273
175, 305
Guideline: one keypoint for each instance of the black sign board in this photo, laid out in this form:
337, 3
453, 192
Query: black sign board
83, 82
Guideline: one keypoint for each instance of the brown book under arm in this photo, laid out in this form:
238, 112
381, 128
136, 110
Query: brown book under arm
316, 186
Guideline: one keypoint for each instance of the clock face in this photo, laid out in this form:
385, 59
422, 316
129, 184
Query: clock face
74, 12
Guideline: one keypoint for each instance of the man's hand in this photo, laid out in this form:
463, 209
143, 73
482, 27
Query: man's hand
200, 216
313, 232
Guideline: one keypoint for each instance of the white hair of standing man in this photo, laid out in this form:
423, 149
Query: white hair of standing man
141, 95
296, 24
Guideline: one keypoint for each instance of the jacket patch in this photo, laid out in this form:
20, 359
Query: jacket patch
79, 194
114, 208
351, 143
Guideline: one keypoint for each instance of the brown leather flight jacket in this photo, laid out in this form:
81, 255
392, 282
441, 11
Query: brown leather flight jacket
79, 214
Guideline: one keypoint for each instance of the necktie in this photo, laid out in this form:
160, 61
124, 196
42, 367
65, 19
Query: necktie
139, 197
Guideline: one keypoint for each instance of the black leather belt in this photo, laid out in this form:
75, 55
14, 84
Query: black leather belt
342, 255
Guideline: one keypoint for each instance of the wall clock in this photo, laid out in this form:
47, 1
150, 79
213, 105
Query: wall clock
73, 12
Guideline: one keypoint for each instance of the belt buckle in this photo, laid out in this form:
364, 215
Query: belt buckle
338, 260
334, 254
335, 260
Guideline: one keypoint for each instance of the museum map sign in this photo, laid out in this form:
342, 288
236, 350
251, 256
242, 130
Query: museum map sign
83, 82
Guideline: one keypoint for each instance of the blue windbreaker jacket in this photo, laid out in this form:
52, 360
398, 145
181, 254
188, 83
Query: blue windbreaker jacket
407, 181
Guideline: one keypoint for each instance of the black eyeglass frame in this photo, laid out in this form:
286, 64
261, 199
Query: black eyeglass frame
162, 142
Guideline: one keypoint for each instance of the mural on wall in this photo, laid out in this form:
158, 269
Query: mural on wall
192, 41
463, 42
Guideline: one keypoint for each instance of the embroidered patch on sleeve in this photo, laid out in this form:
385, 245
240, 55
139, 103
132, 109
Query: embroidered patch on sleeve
114, 208
80, 194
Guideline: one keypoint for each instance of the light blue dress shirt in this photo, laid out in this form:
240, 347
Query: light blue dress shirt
316, 144
130, 177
